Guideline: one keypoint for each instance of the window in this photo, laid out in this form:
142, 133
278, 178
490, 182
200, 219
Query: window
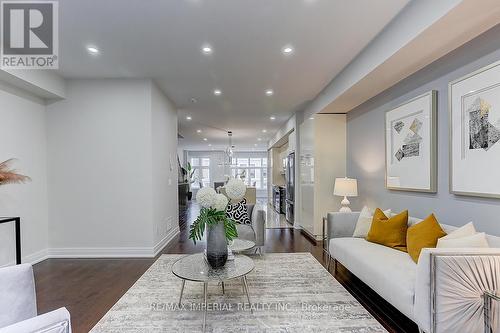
254, 168
201, 175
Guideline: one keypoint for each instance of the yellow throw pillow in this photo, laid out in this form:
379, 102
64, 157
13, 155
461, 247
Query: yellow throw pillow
424, 234
389, 232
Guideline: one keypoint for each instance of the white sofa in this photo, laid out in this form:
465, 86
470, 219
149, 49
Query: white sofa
18, 313
393, 274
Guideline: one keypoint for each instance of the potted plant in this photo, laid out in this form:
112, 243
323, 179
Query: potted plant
191, 179
220, 228
9, 175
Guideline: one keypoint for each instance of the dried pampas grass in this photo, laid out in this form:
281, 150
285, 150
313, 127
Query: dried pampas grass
9, 175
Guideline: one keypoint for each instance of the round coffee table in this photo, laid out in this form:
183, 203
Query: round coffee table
195, 268
240, 245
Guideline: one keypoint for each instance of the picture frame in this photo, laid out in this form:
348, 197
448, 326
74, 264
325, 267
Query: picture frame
411, 145
474, 129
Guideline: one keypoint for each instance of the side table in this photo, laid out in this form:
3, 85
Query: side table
17, 225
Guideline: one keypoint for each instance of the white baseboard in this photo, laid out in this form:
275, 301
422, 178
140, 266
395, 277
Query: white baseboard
114, 252
98, 252
33, 258
36, 257
101, 252
164, 242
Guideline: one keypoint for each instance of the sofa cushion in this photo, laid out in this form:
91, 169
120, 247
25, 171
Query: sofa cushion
389, 273
365, 221
423, 235
493, 241
477, 240
391, 231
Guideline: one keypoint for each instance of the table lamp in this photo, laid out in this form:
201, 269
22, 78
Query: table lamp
345, 187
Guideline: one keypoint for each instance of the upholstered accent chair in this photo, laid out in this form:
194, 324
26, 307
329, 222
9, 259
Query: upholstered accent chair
18, 312
256, 231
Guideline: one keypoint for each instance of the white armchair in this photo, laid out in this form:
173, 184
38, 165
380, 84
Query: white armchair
449, 288
18, 313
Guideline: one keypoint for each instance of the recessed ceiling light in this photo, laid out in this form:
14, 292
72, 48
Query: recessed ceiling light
259, 139
198, 131
217, 92
188, 118
287, 50
205, 139
207, 49
269, 92
312, 118
272, 117
210, 145
92, 50
264, 131
255, 145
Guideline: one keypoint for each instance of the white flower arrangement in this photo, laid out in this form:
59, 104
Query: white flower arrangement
206, 197
235, 189
220, 202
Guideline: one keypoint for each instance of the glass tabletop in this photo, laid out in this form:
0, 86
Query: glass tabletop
239, 245
195, 267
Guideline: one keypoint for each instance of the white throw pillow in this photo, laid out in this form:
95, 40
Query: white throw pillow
476, 240
365, 222
463, 231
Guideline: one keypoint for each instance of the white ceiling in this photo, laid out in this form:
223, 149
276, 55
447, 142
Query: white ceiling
162, 39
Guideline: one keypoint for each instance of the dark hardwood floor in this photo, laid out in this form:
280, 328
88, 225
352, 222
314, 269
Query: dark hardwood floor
88, 288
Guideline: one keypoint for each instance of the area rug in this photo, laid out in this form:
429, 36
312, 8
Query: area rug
290, 292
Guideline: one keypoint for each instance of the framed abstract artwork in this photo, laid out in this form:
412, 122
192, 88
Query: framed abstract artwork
410, 145
474, 107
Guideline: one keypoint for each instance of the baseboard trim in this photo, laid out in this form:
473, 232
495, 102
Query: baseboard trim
309, 236
101, 252
114, 252
165, 241
98, 252
33, 258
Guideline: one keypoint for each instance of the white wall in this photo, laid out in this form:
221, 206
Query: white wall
23, 136
366, 145
164, 166
101, 175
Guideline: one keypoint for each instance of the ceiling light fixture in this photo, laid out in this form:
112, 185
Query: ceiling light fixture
269, 92
312, 118
287, 50
92, 50
264, 131
210, 145
198, 131
217, 92
259, 139
205, 139
188, 118
230, 148
272, 118
207, 49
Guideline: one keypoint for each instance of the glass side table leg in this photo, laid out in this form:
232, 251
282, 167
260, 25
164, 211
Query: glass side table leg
205, 291
245, 287
182, 291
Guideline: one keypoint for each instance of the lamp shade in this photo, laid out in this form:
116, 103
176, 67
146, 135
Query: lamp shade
346, 187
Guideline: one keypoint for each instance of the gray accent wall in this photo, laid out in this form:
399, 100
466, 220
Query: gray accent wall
366, 146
